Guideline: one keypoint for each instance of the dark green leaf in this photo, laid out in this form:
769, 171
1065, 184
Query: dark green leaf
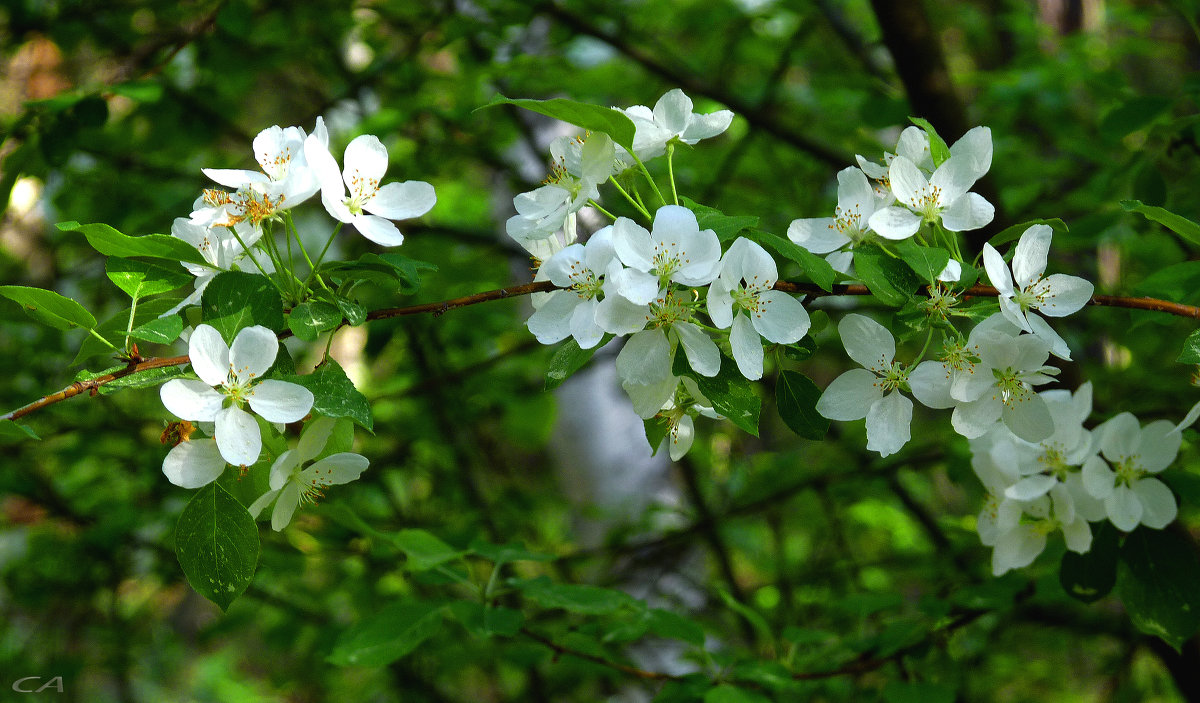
160, 330
608, 120
589, 600
567, 359
1013, 233
1133, 115
308, 320
890, 279
234, 300
665, 623
1176, 223
386, 636
726, 227
484, 621
726, 693
802, 350
113, 329
144, 379
1091, 576
392, 272
656, 431
817, 269
49, 308
13, 430
937, 146
917, 692
110, 242
334, 394
216, 542
142, 278
731, 394
1178, 282
796, 398
424, 551
504, 553
1157, 583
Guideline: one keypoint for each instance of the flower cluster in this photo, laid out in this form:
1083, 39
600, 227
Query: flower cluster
234, 227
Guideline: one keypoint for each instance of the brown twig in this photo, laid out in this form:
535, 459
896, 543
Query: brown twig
441, 307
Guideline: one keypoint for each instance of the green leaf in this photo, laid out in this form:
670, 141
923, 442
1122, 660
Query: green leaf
308, 320
926, 262
143, 379
424, 550
113, 329
726, 227
140, 278
142, 91
110, 242
656, 431
484, 621
567, 359
1091, 576
392, 272
731, 394
1013, 233
386, 636
888, 278
216, 542
1133, 115
917, 692
611, 121
796, 398
665, 623
1178, 282
752, 616
505, 553
937, 146
234, 300
160, 330
588, 600
1157, 583
726, 693
14, 430
49, 308
817, 269
1176, 223
354, 313
334, 394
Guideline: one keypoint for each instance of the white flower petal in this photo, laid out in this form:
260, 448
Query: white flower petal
747, 348
335, 469
551, 323
1031, 487
1124, 508
1158, 503
400, 201
237, 436
1098, 479
645, 359
209, 355
781, 318
378, 230
818, 235
193, 464
285, 506
702, 352
867, 342
253, 351
366, 163
997, 270
888, 423
850, 396
895, 223
280, 401
969, 211
1029, 259
191, 400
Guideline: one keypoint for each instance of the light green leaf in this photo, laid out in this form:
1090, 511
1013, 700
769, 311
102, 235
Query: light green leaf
110, 242
160, 330
14, 430
234, 300
889, 279
937, 146
926, 262
334, 394
386, 636
568, 359
726, 693
612, 122
726, 227
1176, 223
666, 623
216, 542
308, 320
49, 308
484, 621
1190, 354
504, 553
141, 278
424, 550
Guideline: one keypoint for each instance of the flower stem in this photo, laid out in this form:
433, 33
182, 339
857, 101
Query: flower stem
646, 173
325, 249
606, 213
250, 255
671, 170
632, 202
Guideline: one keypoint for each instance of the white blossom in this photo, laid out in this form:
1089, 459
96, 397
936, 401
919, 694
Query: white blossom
1124, 477
1056, 295
742, 298
672, 118
229, 379
676, 251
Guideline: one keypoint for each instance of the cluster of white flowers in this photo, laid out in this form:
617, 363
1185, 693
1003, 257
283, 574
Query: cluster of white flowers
232, 229
652, 285
1043, 470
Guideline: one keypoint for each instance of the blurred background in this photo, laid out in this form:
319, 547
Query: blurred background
109, 111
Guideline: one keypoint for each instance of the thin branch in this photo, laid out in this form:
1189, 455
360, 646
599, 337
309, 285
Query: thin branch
439, 308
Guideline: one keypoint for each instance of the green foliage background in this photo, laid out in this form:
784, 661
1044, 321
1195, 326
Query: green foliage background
823, 572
